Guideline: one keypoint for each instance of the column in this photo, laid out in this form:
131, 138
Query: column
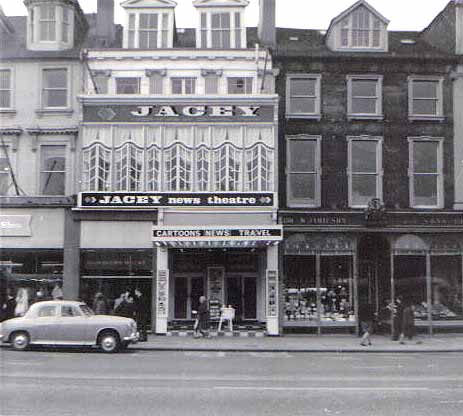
71, 256
162, 290
272, 295
429, 290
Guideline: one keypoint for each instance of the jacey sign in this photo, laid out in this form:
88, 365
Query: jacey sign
159, 113
150, 200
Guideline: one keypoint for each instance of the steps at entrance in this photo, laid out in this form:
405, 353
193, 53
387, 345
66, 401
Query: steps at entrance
237, 334
240, 329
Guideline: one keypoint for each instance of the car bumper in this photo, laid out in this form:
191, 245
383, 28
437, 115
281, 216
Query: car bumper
133, 338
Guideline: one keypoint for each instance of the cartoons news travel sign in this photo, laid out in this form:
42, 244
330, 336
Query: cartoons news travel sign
178, 113
151, 200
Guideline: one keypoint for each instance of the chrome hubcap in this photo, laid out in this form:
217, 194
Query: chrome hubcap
20, 340
108, 343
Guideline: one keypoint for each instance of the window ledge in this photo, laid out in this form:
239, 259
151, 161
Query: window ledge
54, 111
426, 118
295, 205
317, 117
426, 207
11, 111
365, 117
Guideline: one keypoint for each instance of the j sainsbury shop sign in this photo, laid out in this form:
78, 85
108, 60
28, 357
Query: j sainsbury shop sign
178, 113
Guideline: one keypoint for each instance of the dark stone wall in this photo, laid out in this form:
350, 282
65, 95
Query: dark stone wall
441, 32
334, 126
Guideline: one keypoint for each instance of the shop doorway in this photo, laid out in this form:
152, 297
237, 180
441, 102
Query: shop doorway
188, 289
374, 284
241, 293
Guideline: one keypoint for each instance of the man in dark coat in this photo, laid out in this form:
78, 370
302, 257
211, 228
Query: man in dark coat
203, 317
141, 313
8, 306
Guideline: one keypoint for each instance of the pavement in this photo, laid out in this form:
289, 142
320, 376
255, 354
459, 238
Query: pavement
303, 343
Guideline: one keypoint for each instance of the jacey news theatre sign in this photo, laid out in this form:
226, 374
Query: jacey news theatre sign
151, 200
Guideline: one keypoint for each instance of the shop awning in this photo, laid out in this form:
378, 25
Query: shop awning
217, 237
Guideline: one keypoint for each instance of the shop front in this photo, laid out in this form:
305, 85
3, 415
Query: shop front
32, 249
335, 263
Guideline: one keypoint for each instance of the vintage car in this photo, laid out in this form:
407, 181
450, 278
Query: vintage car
68, 323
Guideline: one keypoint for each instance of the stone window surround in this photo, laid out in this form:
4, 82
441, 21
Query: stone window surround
316, 115
136, 29
379, 167
379, 97
11, 108
318, 171
439, 173
439, 116
208, 12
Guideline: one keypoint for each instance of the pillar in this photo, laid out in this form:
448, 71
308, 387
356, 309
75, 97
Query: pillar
272, 291
71, 256
162, 290
429, 290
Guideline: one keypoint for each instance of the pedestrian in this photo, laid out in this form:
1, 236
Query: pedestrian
366, 318
397, 314
408, 323
203, 318
57, 292
22, 302
100, 306
141, 314
8, 306
126, 307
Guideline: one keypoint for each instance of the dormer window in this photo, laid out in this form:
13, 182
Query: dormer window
221, 30
50, 27
150, 24
152, 33
221, 24
360, 28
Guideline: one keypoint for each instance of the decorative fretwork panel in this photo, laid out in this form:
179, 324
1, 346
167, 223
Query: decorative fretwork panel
96, 168
128, 168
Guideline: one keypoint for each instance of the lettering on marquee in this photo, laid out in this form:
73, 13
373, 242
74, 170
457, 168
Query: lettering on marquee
197, 111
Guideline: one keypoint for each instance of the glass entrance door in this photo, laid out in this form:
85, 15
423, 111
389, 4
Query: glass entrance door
241, 293
188, 289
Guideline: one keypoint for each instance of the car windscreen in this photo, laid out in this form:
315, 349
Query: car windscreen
86, 310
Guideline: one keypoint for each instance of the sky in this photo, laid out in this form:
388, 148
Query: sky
304, 14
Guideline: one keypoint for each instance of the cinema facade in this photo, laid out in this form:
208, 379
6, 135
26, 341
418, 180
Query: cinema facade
179, 192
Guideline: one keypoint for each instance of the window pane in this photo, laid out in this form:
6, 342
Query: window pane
5, 79
364, 156
102, 84
425, 157
425, 89
55, 78
203, 20
303, 155
215, 21
425, 107
425, 188
302, 105
131, 21
55, 98
225, 20
363, 106
363, 189
148, 21
176, 85
53, 158
5, 99
53, 165
4, 175
239, 85
127, 85
303, 87
302, 187
226, 39
364, 88
190, 85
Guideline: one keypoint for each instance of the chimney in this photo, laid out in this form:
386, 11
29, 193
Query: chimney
267, 29
105, 22
459, 27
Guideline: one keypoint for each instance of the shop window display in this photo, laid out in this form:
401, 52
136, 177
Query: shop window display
446, 288
30, 275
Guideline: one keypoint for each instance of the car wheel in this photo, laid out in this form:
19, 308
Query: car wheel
20, 341
109, 342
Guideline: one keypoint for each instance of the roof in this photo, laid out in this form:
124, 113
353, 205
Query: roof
312, 43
